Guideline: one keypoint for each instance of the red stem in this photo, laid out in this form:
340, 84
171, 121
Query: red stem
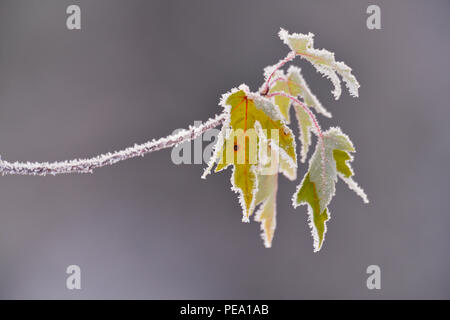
290, 56
277, 79
311, 115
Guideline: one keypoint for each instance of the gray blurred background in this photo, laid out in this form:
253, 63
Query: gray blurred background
147, 228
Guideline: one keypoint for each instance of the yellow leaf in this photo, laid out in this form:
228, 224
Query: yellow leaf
251, 119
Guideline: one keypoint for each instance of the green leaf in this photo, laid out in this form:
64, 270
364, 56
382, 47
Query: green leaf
294, 85
305, 127
283, 103
340, 157
318, 186
287, 169
323, 60
267, 194
266, 214
317, 219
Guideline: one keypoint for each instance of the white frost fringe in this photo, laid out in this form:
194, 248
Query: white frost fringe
328, 66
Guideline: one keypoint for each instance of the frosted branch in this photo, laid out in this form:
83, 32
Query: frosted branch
88, 165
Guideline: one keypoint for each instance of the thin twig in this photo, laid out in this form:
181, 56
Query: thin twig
307, 110
88, 165
290, 56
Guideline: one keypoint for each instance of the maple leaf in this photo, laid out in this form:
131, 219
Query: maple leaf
270, 165
318, 186
250, 119
267, 194
323, 60
305, 126
266, 214
294, 84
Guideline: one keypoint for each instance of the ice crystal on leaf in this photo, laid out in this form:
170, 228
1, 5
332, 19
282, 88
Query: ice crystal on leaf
323, 60
319, 184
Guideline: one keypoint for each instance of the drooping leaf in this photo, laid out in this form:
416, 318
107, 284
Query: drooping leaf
323, 60
295, 85
250, 118
318, 186
307, 193
341, 157
270, 165
305, 127
281, 85
286, 168
267, 194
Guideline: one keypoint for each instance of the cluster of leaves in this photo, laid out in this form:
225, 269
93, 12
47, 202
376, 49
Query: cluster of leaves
257, 142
